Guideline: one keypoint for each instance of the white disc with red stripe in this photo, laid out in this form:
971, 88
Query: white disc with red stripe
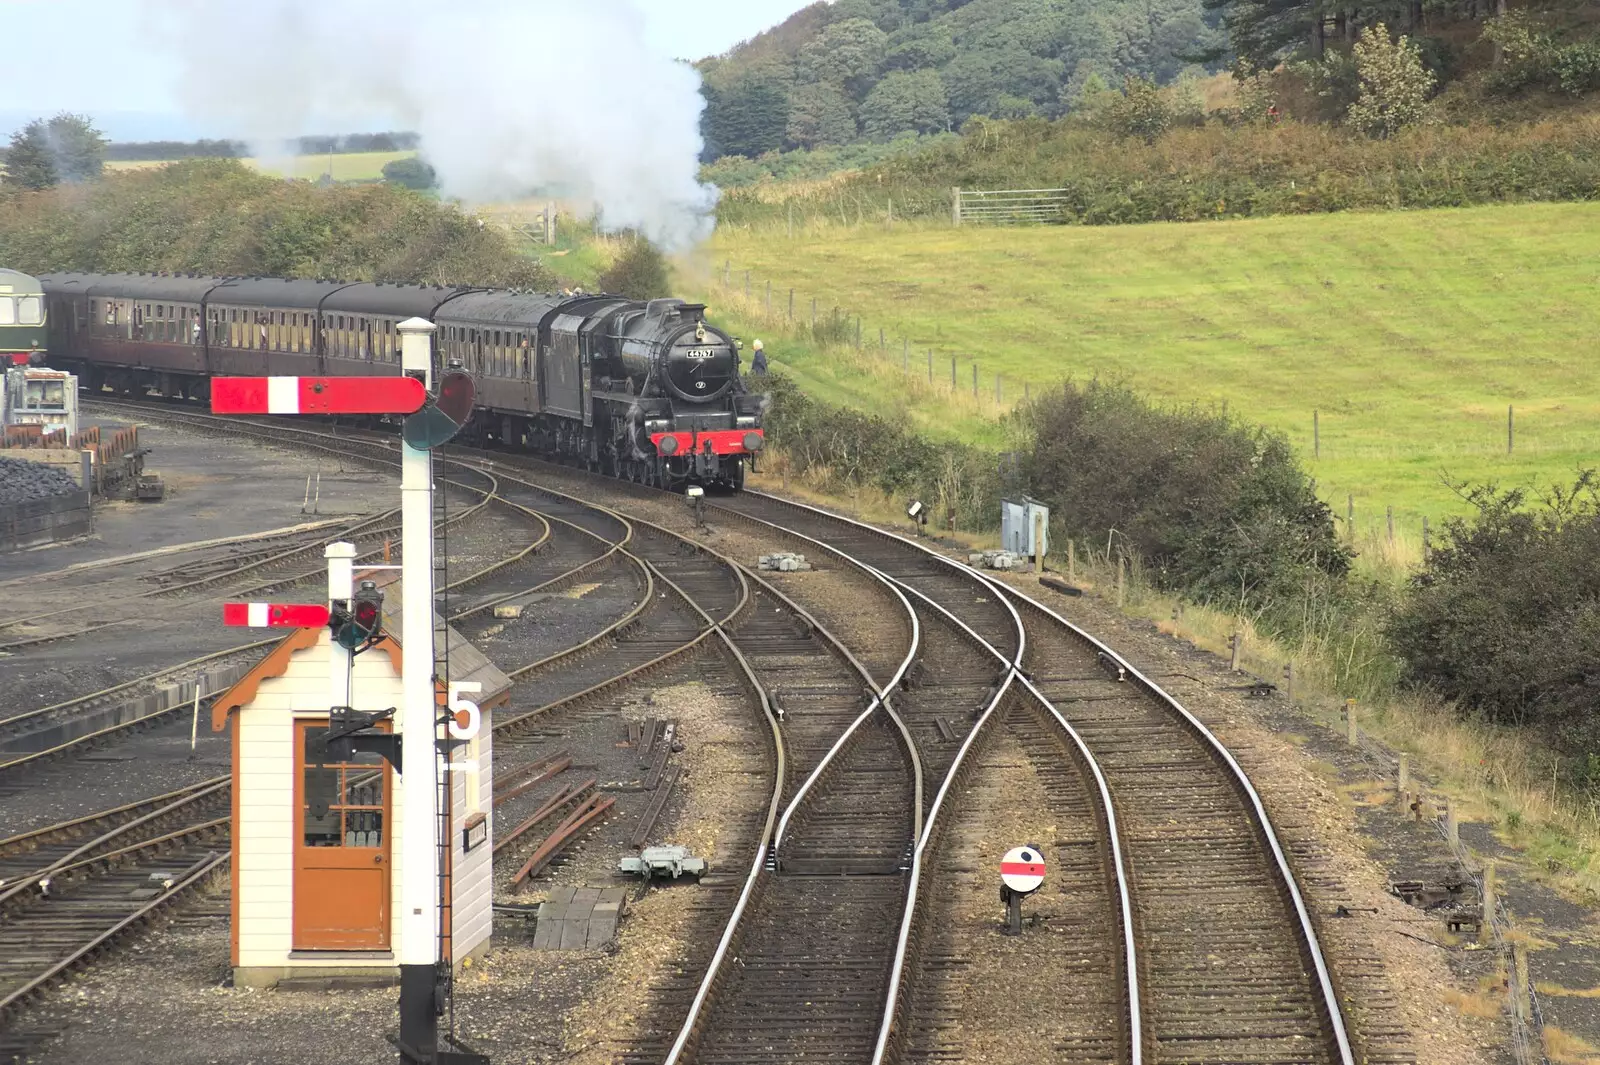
1022, 869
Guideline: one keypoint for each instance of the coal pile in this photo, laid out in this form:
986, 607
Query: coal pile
22, 481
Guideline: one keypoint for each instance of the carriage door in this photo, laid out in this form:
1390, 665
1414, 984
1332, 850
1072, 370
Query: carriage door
342, 850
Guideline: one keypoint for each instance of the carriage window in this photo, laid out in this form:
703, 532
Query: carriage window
363, 340
8, 311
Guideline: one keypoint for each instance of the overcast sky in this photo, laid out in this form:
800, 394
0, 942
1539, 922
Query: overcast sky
86, 55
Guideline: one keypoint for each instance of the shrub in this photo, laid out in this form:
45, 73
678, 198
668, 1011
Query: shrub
639, 272
412, 173
1215, 509
1505, 615
1141, 110
1394, 84
218, 216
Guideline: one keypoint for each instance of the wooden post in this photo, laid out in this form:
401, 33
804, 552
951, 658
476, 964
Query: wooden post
1121, 582
955, 205
1288, 681
1072, 561
1352, 731
1427, 548
1452, 827
1390, 512
1510, 428
891, 210
930, 366
1316, 434
1350, 516
1486, 929
747, 286
974, 379
813, 315
1038, 542
1519, 965
905, 355
1234, 643
858, 333
883, 340
769, 299
1405, 777
952, 373
791, 302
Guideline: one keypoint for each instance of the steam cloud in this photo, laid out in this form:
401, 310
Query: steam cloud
508, 95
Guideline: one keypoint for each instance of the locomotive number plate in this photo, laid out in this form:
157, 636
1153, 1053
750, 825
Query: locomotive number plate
700, 353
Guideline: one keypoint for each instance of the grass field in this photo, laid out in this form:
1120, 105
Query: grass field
1410, 333
353, 166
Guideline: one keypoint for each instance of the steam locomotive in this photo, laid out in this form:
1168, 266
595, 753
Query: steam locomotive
650, 391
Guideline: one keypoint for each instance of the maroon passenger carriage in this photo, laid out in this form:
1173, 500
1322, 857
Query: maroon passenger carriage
647, 391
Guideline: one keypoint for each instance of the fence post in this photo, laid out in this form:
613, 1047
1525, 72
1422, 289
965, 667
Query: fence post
813, 315
998, 393
1390, 512
1510, 428
1235, 644
1122, 581
727, 272
791, 305
955, 205
1486, 928
769, 299
974, 379
952, 373
905, 355
1427, 548
1288, 682
858, 332
1350, 516
1405, 778
1316, 434
1352, 732
747, 286
930, 366
883, 341
1072, 561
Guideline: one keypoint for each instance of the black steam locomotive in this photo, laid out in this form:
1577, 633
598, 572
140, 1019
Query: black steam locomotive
646, 391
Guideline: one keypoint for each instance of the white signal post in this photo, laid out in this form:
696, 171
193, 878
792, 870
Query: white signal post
341, 558
419, 753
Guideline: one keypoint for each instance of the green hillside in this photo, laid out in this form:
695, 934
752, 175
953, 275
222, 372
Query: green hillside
1410, 332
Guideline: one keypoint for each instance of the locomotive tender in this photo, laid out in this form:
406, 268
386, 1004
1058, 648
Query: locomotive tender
646, 391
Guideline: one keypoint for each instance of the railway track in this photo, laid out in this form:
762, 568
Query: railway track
1230, 963
74, 890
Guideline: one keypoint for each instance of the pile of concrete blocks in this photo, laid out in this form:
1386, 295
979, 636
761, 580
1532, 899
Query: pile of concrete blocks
784, 562
995, 560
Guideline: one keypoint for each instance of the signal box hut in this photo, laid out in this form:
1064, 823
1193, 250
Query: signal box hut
316, 887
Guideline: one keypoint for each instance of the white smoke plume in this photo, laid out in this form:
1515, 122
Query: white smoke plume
509, 96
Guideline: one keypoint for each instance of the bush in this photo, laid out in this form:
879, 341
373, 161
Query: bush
1216, 510
1140, 110
412, 173
1394, 84
1505, 615
221, 217
639, 272
842, 448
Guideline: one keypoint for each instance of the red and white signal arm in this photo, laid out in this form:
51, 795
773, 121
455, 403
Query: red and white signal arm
316, 395
275, 615
1022, 869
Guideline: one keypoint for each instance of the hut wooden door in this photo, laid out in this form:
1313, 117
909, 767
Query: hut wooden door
342, 850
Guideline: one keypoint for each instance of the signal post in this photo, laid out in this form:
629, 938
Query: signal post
419, 897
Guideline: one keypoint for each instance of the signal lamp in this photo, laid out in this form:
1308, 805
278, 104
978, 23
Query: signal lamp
364, 622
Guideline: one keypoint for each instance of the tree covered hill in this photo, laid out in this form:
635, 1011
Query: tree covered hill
833, 73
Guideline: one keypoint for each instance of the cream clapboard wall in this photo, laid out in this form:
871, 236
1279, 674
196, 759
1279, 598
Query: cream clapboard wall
270, 822
266, 795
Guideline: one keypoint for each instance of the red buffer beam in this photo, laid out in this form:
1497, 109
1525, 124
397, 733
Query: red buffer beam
316, 395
